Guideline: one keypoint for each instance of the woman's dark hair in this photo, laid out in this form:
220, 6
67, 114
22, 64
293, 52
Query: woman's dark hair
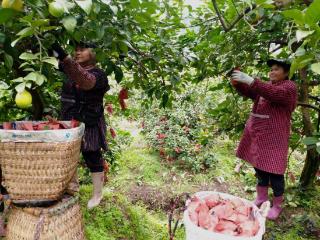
281, 63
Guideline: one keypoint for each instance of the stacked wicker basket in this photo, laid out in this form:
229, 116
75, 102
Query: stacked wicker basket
36, 171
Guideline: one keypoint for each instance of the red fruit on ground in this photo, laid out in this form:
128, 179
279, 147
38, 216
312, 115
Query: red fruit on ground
161, 136
113, 133
123, 104
162, 152
123, 94
109, 108
177, 150
197, 147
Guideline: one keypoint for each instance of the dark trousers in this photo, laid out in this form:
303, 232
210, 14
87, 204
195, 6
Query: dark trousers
276, 181
94, 160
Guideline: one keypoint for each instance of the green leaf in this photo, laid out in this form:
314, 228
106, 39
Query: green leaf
110, 68
20, 87
300, 62
86, 5
8, 61
259, 2
40, 22
69, 23
6, 14
310, 141
67, 5
28, 85
164, 100
28, 56
107, 2
36, 77
28, 69
19, 79
134, 3
49, 28
300, 34
31, 76
292, 204
40, 79
51, 60
312, 14
24, 64
294, 14
3, 85
269, 6
2, 37
316, 67
114, 9
100, 32
265, 3
318, 149
15, 41
123, 47
28, 31
118, 74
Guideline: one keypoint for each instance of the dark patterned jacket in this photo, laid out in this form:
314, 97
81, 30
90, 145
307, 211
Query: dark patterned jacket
82, 99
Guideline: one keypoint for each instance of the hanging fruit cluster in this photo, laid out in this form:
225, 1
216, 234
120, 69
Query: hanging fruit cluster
123, 94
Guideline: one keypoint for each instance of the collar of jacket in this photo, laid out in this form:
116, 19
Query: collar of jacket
88, 67
278, 82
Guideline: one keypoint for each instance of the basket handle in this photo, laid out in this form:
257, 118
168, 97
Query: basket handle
39, 227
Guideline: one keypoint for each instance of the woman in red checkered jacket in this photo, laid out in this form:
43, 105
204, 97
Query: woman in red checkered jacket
265, 140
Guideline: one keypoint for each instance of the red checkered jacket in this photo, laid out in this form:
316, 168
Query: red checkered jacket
265, 140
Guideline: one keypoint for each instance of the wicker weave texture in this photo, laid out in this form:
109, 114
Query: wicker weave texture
38, 171
64, 223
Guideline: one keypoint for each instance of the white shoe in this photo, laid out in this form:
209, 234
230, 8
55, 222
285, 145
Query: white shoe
93, 202
97, 180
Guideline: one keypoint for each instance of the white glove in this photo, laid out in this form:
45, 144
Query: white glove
241, 77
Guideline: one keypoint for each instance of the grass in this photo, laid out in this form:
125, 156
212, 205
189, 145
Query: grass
117, 218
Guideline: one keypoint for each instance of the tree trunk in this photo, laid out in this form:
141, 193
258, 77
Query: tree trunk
312, 161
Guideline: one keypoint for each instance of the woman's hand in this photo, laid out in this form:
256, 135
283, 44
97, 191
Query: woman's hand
58, 51
239, 76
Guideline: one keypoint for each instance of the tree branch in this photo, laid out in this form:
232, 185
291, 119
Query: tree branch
307, 2
307, 105
222, 20
315, 98
314, 83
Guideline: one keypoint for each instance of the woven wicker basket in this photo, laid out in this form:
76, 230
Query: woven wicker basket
60, 222
38, 171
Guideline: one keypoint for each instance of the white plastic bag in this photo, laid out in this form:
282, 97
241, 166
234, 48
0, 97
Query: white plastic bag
60, 135
194, 232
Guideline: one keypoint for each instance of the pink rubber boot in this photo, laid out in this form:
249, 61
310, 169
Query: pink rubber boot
276, 208
262, 195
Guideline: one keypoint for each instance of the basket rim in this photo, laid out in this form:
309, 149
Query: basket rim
53, 210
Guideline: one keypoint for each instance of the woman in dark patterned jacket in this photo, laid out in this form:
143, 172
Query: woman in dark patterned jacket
82, 99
